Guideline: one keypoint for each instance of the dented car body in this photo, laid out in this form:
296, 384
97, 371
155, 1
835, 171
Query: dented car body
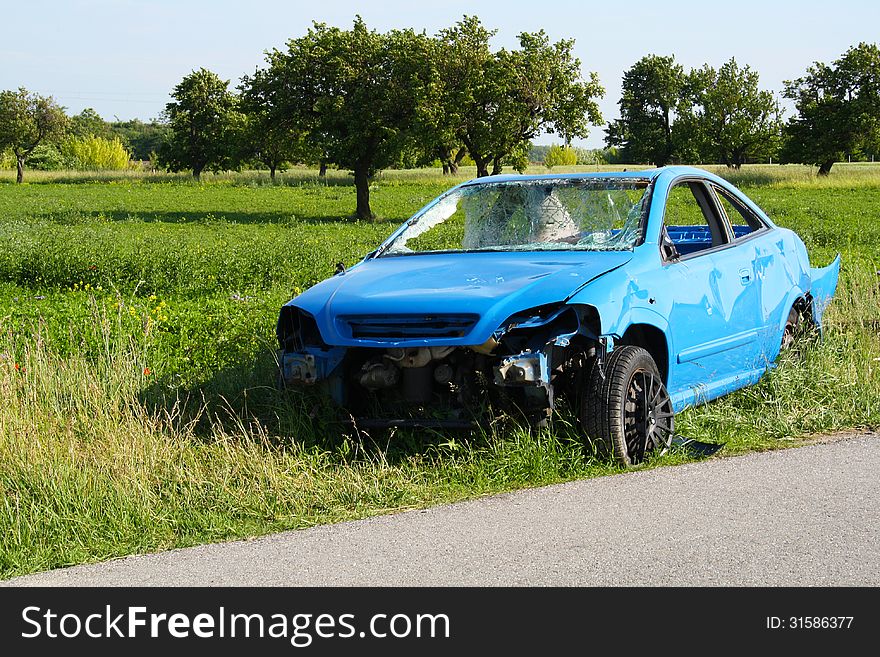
633, 295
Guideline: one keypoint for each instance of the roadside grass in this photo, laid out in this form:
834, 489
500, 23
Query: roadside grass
136, 365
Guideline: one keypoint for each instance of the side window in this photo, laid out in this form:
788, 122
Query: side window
690, 223
742, 220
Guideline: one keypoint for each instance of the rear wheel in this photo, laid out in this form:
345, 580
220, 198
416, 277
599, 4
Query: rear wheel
792, 330
625, 408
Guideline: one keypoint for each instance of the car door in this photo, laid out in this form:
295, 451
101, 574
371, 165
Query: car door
714, 318
764, 252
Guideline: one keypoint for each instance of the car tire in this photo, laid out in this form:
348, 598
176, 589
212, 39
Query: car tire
794, 329
625, 409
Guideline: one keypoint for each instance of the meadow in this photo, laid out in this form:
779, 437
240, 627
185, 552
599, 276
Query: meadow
139, 412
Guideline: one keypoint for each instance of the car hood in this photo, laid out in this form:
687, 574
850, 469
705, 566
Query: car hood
488, 287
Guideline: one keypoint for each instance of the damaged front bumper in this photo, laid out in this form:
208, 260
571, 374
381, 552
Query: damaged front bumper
309, 365
392, 383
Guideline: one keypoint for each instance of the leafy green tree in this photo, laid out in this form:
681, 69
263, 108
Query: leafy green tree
653, 92
269, 135
142, 138
89, 123
358, 94
587, 156
733, 119
204, 122
495, 103
48, 157
460, 53
838, 110
560, 156
26, 121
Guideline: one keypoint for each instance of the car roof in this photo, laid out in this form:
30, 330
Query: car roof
635, 175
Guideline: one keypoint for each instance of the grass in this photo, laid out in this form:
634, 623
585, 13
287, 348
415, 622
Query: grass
136, 362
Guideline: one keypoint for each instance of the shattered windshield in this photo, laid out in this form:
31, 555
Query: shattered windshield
592, 214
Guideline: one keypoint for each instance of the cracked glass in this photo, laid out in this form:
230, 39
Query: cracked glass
594, 214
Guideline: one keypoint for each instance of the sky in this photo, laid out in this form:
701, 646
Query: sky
122, 57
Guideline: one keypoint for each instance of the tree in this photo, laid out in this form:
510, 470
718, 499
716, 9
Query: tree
89, 123
203, 120
358, 94
26, 121
652, 95
734, 120
495, 103
142, 138
838, 109
461, 52
563, 156
269, 136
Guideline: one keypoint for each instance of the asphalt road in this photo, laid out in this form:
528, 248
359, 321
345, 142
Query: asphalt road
804, 516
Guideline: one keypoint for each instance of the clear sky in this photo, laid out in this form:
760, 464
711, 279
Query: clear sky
122, 57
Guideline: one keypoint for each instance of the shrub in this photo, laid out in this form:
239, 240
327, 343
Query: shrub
564, 156
46, 157
7, 160
97, 153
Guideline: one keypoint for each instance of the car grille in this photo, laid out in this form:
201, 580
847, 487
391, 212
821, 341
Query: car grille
407, 327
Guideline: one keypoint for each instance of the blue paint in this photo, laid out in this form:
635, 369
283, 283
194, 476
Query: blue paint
491, 286
823, 284
721, 310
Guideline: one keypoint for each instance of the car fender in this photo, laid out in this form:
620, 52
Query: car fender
621, 302
823, 285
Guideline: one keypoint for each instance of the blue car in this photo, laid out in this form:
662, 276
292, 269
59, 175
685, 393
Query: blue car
631, 295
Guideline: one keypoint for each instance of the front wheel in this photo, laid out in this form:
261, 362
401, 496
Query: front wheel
625, 408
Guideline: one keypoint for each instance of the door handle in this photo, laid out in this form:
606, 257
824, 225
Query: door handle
745, 276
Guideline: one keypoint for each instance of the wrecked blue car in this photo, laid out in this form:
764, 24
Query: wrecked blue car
629, 295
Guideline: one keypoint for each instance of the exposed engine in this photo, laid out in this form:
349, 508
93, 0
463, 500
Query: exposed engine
519, 369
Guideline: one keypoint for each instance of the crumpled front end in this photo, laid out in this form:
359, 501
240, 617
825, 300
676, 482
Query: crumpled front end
410, 375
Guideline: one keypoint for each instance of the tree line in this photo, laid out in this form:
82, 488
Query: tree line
35, 130
363, 101
707, 115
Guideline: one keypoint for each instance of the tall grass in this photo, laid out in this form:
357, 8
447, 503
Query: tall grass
95, 462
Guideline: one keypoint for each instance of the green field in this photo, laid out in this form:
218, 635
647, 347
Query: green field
137, 361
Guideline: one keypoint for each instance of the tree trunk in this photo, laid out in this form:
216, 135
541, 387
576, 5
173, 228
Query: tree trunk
496, 166
362, 188
825, 167
197, 172
322, 171
451, 162
482, 165
445, 157
272, 172
739, 158
19, 176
